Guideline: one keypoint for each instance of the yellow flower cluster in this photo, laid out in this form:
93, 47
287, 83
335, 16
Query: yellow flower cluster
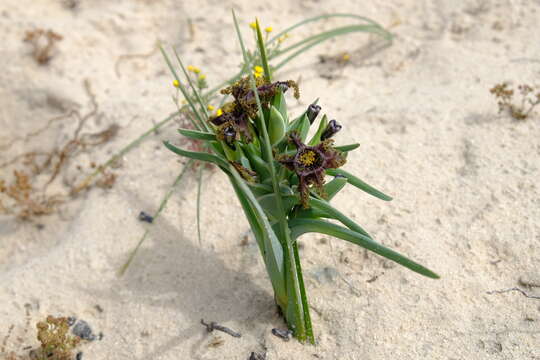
258, 71
253, 25
282, 38
194, 69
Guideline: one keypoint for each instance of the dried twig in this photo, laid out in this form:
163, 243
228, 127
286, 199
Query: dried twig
513, 289
213, 326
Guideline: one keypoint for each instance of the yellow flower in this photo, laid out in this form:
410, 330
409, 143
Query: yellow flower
257, 74
202, 77
176, 83
258, 69
346, 57
194, 69
268, 29
253, 25
283, 38
219, 112
210, 107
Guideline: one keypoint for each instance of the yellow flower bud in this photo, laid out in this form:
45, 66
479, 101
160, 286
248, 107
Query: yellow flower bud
219, 112
176, 83
258, 69
268, 29
210, 107
202, 77
253, 25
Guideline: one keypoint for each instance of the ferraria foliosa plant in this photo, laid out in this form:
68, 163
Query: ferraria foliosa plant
284, 180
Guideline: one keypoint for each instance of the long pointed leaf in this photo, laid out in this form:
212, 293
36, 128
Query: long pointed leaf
201, 156
334, 213
198, 135
299, 227
353, 180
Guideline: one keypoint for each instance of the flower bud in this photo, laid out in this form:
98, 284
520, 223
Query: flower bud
230, 135
312, 112
332, 128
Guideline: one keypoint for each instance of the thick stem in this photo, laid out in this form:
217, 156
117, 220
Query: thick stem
305, 305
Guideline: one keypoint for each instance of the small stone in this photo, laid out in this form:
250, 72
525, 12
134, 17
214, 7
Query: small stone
83, 330
281, 333
145, 217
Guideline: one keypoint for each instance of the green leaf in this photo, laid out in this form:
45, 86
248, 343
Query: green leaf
347, 148
258, 164
262, 51
353, 180
269, 204
322, 126
302, 226
278, 101
273, 250
314, 40
334, 186
197, 155
197, 135
190, 101
276, 126
323, 18
334, 213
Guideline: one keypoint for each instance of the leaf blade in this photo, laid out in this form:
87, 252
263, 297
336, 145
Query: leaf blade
303, 226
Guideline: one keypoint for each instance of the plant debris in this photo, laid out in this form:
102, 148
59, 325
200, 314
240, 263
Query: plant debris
213, 326
27, 195
513, 289
520, 110
43, 44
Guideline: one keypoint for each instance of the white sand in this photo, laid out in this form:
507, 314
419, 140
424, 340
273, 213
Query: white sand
463, 177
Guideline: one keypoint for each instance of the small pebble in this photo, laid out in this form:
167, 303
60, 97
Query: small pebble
83, 330
284, 334
145, 217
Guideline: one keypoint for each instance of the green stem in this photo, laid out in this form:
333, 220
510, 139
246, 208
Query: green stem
299, 327
305, 304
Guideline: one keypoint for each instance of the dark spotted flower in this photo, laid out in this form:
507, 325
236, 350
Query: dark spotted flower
232, 123
310, 163
244, 106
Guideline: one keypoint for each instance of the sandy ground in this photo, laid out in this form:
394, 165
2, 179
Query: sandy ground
464, 179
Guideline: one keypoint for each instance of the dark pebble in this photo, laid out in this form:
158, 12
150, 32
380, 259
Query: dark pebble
284, 334
83, 330
145, 217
